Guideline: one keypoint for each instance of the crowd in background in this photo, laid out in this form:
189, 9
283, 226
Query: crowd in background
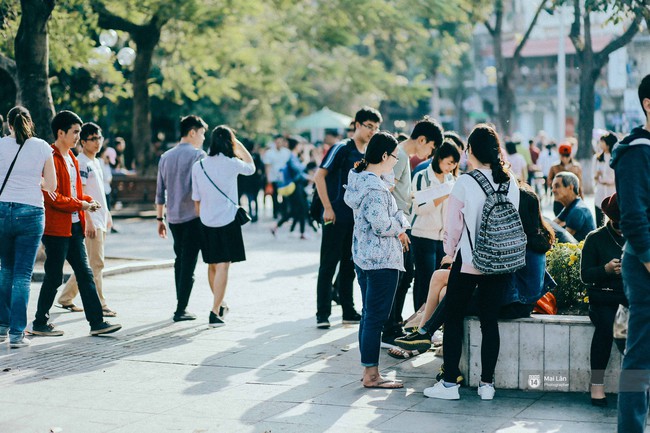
458, 220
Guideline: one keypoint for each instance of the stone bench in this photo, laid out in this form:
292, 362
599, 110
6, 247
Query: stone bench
549, 353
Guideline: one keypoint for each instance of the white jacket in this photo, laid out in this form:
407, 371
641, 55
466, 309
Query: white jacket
428, 219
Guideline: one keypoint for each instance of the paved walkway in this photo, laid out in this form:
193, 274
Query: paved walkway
268, 370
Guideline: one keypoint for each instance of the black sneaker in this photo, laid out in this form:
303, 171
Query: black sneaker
322, 324
180, 317
352, 319
415, 341
215, 321
47, 330
441, 375
104, 328
223, 310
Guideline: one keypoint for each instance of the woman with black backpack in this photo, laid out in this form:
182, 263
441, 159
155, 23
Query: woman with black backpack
486, 239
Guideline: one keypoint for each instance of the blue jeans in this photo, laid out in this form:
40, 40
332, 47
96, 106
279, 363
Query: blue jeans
21, 228
427, 254
377, 292
635, 372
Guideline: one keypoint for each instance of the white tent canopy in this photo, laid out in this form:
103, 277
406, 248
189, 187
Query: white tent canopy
321, 120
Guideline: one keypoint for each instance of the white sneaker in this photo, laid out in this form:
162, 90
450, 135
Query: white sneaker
486, 391
437, 338
442, 392
23, 342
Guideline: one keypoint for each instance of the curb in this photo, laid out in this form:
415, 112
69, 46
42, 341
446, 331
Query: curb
126, 268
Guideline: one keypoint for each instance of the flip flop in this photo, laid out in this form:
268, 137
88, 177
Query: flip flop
398, 353
107, 312
71, 307
386, 384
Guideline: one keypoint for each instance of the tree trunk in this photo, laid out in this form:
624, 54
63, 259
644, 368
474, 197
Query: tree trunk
32, 55
141, 128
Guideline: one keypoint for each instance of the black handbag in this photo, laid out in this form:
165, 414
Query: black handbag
241, 216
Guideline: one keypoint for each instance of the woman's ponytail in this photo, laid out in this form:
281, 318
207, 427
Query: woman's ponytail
21, 123
360, 165
499, 173
486, 147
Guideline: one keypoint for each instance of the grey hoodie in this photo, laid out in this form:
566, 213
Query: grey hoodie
377, 223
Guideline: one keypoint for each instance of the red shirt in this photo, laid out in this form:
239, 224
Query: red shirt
59, 205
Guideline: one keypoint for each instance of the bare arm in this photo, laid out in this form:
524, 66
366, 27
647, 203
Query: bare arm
321, 187
48, 183
242, 153
162, 228
197, 208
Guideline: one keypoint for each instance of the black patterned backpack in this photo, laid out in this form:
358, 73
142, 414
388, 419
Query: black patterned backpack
500, 242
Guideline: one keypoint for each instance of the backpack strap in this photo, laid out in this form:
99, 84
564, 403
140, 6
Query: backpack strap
11, 167
483, 182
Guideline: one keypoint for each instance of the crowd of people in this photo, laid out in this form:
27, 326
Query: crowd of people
459, 221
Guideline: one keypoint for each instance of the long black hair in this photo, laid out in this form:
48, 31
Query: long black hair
21, 122
610, 140
486, 147
380, 143
222, 140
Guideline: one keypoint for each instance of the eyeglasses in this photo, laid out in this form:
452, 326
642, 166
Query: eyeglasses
371, 127
97, 138
396, 158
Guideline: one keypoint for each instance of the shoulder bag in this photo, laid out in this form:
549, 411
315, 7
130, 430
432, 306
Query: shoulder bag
241, 216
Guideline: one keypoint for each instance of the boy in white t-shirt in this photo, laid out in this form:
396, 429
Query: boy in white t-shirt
98, 222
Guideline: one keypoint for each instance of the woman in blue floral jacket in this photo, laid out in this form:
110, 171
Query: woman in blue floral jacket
378, 241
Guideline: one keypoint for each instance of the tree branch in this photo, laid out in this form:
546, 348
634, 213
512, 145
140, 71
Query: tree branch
108, 20
523, 41
574, 35
602, 57
9, 66
490, 28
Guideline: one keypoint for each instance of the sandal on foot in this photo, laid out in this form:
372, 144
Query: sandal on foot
398, 353
107, 312
71, 307
385, 384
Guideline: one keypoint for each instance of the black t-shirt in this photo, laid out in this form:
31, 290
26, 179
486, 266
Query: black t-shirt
338, 162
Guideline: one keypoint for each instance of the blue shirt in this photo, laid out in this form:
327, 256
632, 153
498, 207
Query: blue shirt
174, 183
339, 161
578, 217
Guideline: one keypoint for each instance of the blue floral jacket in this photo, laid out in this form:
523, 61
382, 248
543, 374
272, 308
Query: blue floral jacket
377, 223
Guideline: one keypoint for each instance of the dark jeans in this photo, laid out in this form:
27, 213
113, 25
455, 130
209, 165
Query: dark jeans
393, 326
58, 249
635, 372
335, 248
278, 206
426, 254
253, 205
602, 316
187, 244
21, 228
459, 293
377, 292
296, 208
438, 317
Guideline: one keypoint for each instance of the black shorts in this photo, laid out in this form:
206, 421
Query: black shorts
222, 244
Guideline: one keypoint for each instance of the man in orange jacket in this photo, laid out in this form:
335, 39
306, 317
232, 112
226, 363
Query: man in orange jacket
64, 233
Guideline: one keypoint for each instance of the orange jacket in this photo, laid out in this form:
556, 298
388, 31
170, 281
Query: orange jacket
59, 206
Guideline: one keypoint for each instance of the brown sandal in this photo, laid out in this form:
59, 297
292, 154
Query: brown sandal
71, 307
